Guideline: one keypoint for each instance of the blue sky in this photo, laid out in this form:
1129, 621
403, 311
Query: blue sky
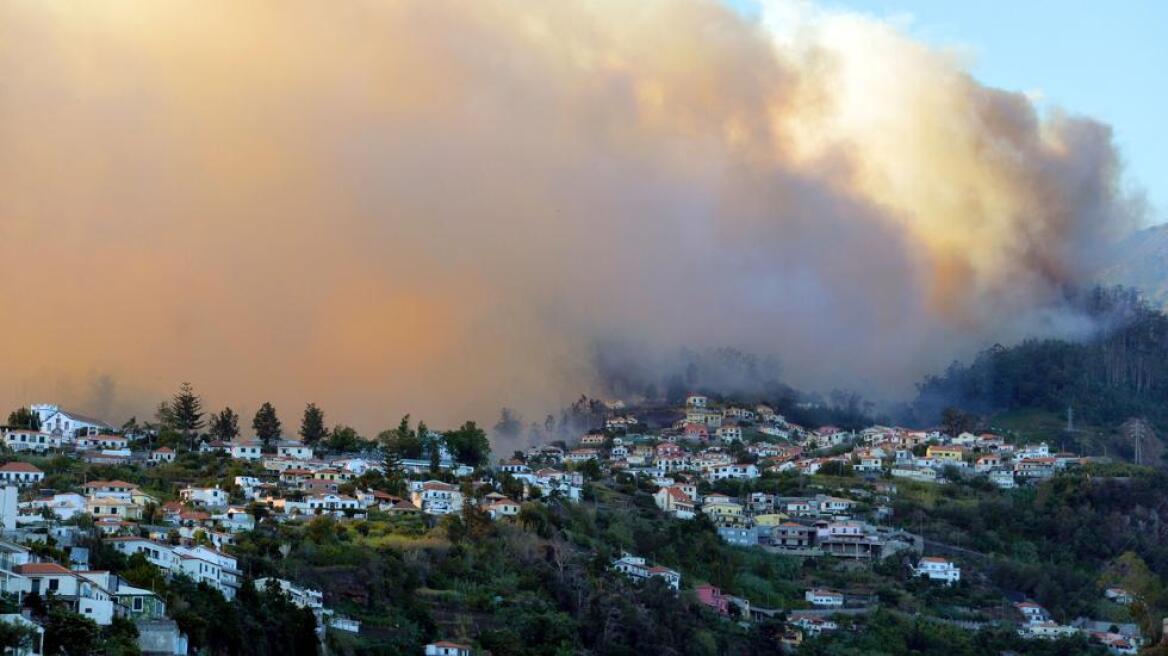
1106, 60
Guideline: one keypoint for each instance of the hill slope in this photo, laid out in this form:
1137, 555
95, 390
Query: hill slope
1141, 263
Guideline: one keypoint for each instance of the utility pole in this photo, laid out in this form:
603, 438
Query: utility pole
1070, 419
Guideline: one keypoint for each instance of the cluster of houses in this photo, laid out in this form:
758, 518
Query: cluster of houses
1036, 623
698, 444
98, 595
193, 535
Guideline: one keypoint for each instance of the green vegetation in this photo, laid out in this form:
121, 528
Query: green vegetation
1119, 372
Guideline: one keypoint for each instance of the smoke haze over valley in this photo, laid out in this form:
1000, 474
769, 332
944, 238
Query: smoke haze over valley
440, 208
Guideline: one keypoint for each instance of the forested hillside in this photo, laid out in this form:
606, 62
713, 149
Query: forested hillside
1141, 262
1118, 371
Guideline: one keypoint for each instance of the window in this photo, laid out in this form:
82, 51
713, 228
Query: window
54, 585
138, 603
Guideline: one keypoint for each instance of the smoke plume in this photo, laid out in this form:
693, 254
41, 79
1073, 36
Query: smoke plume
443, 207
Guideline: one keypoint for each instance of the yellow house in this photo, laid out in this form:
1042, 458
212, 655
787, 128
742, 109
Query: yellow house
724, 512
950, 453
770, 519
110, 507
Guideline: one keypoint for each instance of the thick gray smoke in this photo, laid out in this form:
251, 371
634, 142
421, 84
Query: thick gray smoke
442, 207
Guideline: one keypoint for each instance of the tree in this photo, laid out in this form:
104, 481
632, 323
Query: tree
267, 424
24, 418
395, 479
186, 412
433, 446
955, 421
67, 632
225, 425
16, 637
402, 440
312, 428
469, 445
164, 415
131, 428
510, 423
344, 439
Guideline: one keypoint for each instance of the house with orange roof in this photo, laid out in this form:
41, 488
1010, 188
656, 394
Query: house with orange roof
674, 500
20, 474
162, 455
447, 648
83, 595
938, 569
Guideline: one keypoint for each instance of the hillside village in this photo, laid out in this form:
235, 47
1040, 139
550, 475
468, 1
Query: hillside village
701, 468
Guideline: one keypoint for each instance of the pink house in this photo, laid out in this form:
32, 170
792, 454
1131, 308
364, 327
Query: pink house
713, 598
695, 431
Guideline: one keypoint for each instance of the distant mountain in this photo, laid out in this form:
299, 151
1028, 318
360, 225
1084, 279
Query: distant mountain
1141, 262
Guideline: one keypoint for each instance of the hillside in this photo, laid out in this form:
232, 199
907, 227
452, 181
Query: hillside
1141, 262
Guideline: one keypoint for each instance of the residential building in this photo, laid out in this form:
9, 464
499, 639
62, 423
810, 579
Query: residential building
20, 474
205, 497
294, 450
713, 598
635, 568
65, 422
824, 598
436, 497
162, 455
446, 648
743, 471
938, 569
247, 449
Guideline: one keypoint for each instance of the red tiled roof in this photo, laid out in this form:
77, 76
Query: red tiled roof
92, 484
17, 466
41, 568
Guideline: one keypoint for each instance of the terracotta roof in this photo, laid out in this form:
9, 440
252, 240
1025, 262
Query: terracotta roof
41, 568
124, 484
17, 466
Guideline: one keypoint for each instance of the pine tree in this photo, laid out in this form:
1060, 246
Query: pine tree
433, 447
24, 418
312, 426
392, 464
225, 425
186, 412
267, 425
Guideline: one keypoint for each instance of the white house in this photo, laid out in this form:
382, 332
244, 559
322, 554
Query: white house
697, 401
212, 567
302, 597
113, 489
824, 598
205, 497
63, 422
20, 474
295, 450
736, 471
1119, 596
83, 595
201, 564
1003, 478
64, 506
938, 569
318, 504
247, 450
635, 568
162, 455
1032, 612
730, 433
446, 648
436, 497
28, 440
